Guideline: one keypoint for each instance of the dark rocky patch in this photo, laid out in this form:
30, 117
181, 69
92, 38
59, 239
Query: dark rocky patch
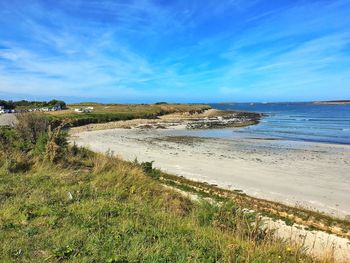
232, 119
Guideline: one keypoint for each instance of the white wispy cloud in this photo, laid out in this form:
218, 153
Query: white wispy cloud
178, 51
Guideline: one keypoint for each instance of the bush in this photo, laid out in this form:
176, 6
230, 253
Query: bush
56, 144
32, 135
9, 139
17, 162
31, 126
148, 169
40, 145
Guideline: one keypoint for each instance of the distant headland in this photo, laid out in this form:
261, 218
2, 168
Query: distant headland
333, 102
313, 102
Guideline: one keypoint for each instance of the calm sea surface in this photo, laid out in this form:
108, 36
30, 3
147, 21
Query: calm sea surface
292, 121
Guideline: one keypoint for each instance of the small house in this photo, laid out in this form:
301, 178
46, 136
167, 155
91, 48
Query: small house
86, 110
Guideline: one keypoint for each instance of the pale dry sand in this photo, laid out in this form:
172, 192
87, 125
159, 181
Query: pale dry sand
311, 175
317, 243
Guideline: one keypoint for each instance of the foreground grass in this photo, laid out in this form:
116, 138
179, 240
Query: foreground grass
115, 112
63, 203
291, 215
96, 208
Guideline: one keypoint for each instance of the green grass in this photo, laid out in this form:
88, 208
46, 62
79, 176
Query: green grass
63, 203
115, 112
101, 209
289, 214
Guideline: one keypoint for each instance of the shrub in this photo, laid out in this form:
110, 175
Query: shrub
40, 145
15, 162
10, 140
31, 126
56, 144
148, 169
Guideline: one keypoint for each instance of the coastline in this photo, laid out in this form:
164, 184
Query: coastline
208, 119
335, 102
297, 185
308, 175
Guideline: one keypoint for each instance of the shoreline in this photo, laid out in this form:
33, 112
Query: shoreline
230, 168
208, 119
240, 162
320, 233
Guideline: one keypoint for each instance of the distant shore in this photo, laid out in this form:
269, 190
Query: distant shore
208, 119
333, 102
313, 102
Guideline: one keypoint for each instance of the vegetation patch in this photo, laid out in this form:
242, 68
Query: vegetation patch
312, 219
24, 104
86, 207
103, 113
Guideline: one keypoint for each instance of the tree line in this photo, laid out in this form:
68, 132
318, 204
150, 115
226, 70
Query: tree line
32, 104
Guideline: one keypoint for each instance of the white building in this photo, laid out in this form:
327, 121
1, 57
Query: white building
80, 110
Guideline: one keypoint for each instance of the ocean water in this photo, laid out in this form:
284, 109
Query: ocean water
291, 121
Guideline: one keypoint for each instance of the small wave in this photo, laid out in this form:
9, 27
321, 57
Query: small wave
297, 133
329, 120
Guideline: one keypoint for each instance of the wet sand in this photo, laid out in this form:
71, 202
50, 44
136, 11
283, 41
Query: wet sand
311, 175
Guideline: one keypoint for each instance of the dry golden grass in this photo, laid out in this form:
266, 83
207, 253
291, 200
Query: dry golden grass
113, 108
88, 207
109, 210
61, 112
103, 113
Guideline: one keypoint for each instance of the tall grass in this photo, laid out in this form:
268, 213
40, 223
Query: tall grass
88, 207
113, 212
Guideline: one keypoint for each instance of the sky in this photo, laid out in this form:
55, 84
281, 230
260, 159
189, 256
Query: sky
176, 51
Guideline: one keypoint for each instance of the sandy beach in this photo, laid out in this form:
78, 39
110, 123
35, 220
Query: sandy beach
311, 175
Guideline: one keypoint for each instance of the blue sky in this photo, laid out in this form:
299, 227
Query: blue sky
177, 51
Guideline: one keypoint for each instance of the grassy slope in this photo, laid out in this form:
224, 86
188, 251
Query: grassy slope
116, 212
114, 112
88, 207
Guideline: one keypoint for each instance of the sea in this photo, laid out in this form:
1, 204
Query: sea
326, 123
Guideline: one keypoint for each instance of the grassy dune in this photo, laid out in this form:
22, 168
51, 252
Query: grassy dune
99, 208
114, 112
64, 203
